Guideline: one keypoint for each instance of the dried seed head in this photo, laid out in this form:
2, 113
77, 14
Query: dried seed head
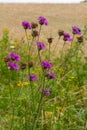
34, 25
60, 33
23, 66
7, 59
50, 40
35, 33
30, 64
80, 39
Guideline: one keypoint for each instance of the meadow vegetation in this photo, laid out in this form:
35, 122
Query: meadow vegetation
40, 90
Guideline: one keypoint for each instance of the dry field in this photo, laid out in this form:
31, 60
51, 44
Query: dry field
60, 16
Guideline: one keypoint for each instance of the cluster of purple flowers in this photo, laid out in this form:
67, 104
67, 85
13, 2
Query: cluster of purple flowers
66, 36
27, 25
13, 58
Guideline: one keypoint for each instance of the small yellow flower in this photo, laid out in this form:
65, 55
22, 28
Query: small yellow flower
48, 114
25, 83
59, 108
71, 77
21, 84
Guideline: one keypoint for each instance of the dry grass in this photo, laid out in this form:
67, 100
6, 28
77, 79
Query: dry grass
60, 16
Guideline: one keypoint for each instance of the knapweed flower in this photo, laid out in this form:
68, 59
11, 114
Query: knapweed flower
13, 66
67, 37
32, 77
41, 46
50, 40
76, 30
43, 21
26, 25
50, 75
14, 56
46, 65
47, 92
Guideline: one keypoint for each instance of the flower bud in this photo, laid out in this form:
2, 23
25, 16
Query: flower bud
23, 66
7, 59
34, 25
50, 40
34, 33
30, 64
60, 33
80, 39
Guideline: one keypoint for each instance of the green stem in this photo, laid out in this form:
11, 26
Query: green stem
49, 50
41, 96
32, 94
11, 100
56, 45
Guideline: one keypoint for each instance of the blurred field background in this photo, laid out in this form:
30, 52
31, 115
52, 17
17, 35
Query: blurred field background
60, 16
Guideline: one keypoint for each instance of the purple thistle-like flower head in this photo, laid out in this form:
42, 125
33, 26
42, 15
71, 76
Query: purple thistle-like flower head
50, 75
47, 92
67, 37
32, 77
43, 21
76, 30
14, 56
13, 66
46, 65
41, 46
26, 25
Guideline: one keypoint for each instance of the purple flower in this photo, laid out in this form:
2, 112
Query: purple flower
46, 65
50, 75
41, 46
43, 21
67, 37
26, 25
47, 92
13, 66
14, 56
32, 77
76, 30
